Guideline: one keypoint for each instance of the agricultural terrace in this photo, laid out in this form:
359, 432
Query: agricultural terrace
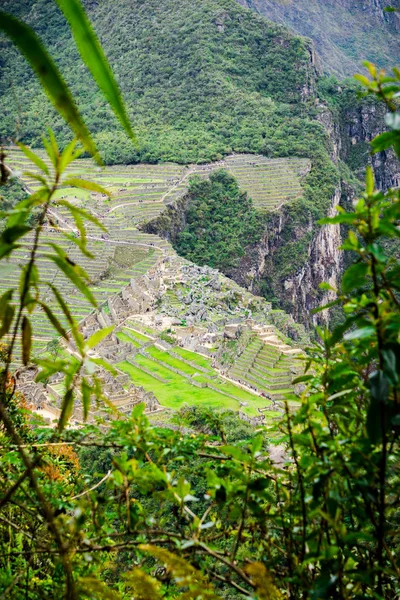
270, 182
177, 377
139, 193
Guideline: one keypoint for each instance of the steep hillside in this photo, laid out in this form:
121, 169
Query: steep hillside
345, 32
179, 328
201, 79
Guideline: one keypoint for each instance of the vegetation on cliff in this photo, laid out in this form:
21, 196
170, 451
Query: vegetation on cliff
220, 222
345, 32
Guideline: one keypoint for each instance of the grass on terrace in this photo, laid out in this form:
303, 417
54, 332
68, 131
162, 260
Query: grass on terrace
154, 371
177, 391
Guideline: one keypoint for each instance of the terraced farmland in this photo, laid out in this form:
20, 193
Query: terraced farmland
177, 377
269, 182
139, 193
120, 256
265, 368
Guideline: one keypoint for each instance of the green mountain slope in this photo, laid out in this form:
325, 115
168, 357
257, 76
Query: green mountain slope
201, 79
345, 32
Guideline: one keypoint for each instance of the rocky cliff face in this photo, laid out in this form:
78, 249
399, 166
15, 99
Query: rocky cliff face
345, 32
324, 264
298, 293
359, 125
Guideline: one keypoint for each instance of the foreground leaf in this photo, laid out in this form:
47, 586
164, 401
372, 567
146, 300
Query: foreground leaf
26, 340
94, 57
56, 89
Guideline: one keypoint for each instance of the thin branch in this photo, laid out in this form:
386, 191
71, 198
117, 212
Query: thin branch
93, 487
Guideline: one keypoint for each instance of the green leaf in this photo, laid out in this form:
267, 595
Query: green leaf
26, 340
37, 177
86, 185
378, 252
31, 47
355, 277
66, 409
62, 303
339, 394
106, 365
362, 79
302, 379
52, 150
325, 306
5, 299
326, 287
379, 388
7, 319
79, 241
68, 155
11, 234
24, 208
392, 120
256, 444
144, 586
49, 367
98, 336
370, 67
361, 333
390, 365
34, 158
138, 410
369, 181
54, 321
71, 274
83, 213
383, 141
86, 393
93, 55
6, 249
29, 277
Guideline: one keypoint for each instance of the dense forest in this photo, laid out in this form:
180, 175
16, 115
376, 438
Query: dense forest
174, 61
220, 222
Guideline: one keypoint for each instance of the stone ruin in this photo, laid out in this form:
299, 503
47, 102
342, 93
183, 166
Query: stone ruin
119, 391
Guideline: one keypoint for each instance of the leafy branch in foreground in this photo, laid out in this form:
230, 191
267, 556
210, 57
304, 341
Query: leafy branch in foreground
387, 88
18, 306
52, 81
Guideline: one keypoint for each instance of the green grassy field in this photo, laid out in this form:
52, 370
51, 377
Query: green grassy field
202, 361
171, 360
177, 391
154, 371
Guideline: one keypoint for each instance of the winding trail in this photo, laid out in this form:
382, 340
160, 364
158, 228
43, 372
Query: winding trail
164, 196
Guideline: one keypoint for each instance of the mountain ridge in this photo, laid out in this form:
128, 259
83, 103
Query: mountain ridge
345, 32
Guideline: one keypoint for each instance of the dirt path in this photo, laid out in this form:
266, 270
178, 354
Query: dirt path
191, 171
